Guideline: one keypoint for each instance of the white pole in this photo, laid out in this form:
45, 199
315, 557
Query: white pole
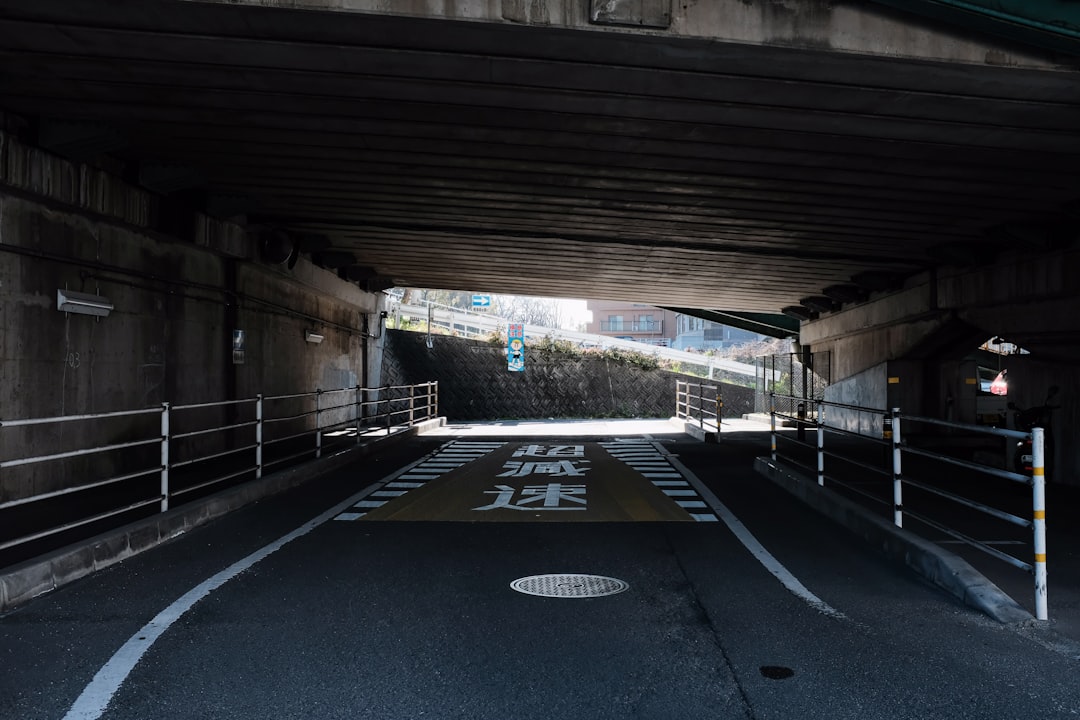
1038, 485
318, 423
898, 485
820, 448
164, 457
772, 423
258, 435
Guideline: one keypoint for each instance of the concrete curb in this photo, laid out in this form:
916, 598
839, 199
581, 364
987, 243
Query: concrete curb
36, 577
949, 572
694, 431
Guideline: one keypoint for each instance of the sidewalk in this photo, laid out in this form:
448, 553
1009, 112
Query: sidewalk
867, 500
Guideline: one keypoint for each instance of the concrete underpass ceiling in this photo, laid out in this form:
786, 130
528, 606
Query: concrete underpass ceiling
544, 161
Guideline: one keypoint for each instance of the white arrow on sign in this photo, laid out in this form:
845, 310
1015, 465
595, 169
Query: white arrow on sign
481, 301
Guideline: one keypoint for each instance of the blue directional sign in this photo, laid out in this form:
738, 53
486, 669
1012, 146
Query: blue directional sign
481, 301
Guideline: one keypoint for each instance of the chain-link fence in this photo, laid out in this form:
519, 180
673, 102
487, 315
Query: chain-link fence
786, 375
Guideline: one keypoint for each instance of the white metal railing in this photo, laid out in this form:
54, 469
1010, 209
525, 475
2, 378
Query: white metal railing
891, 440
699, 403
178, 449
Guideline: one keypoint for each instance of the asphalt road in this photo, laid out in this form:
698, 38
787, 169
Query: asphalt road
415, 618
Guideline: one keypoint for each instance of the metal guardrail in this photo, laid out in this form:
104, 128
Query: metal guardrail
892, 440
242, 437
699, 403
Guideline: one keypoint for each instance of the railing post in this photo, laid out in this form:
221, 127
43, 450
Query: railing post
701, 406
719, 408
898, 485
412, 405
258, 435
772, 423
318, 423
386, 398
359, 411
164, 457
435, 409
800, 412
1038, 494
820, 445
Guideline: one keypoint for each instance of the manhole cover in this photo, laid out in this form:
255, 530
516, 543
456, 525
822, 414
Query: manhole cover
569, 586
777, 672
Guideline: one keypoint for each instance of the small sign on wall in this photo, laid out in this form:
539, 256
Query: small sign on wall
238, 347
515, 347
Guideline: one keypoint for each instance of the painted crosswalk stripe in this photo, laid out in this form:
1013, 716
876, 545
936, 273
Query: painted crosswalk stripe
408, 485
688, 504
388, 493
350, 516
369, 504
658, 476
680, 493
704, 517
418, 476
670, 483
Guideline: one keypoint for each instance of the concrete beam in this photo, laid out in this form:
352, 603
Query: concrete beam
861, 28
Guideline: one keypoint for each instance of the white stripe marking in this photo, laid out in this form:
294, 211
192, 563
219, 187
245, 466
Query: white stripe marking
350, 516
406, 485
756, 549
688, 504
705, 518
389, 493
369, 504
670, 483
658, 476
93, 700
680, 493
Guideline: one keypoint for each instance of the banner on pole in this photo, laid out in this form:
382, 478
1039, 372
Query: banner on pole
515, 347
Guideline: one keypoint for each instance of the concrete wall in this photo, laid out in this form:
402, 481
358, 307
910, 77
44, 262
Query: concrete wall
835, 25
169, 338
865, 389
474, 383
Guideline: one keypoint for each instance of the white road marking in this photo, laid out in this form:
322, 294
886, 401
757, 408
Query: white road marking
751, 543
96, 696
670, 483
346, 516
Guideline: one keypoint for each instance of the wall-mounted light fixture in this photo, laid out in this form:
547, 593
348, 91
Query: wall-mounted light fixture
83, 303
312, 337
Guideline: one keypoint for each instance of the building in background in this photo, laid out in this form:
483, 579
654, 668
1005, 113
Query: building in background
655, 326
631, 321
692, 333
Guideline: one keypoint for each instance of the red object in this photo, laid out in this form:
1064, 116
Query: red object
1000, 386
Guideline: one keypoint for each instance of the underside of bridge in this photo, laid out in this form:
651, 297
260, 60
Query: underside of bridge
828, 152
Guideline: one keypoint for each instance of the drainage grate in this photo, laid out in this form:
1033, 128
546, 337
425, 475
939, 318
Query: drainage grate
569, 586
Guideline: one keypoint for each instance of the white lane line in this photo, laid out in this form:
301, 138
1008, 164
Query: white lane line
680, 493
347, 516
418, 476
704, 518
658, 476
406, 485
96, 696
691, 504
756, 549
670, 483
388, 493
369, 504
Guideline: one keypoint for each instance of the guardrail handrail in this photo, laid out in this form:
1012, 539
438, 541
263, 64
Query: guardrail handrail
709, 407
227, 435
893, 436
